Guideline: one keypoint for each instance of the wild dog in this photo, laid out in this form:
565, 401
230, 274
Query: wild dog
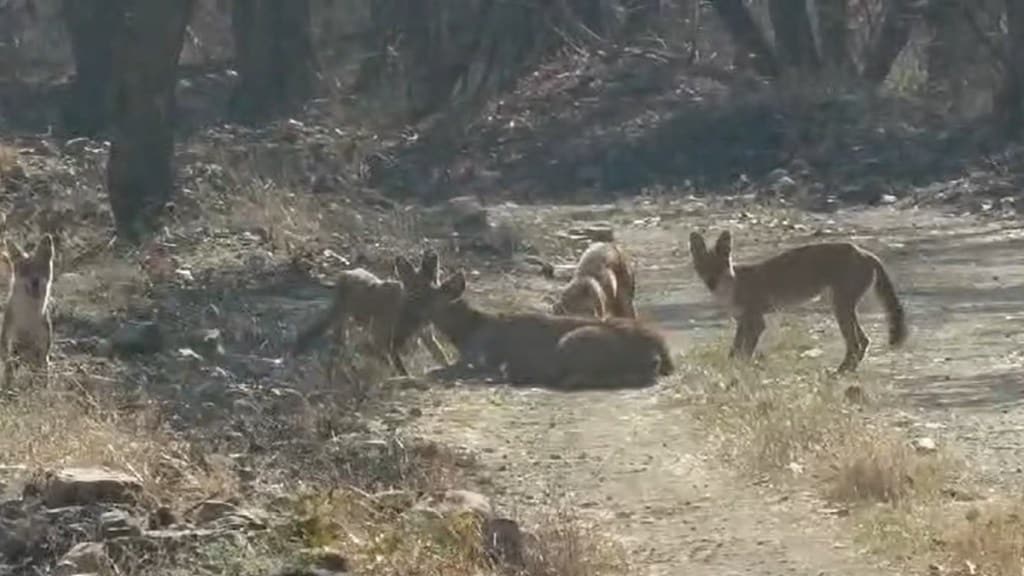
381, 306
797, 275
537, 348
603, 284
27, 332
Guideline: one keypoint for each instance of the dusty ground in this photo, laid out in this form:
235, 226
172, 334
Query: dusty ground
643, 466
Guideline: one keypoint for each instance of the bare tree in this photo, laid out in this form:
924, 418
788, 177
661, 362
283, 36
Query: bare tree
749, 38
892, 37
794, 40
91, 25
833, 34
274, 56
1011, 98
140, 174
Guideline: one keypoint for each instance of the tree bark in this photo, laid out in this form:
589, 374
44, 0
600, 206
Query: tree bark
274, 57
1011, 97
91, 26
794, 40
749, 39
833, 35
140, 174
894, 34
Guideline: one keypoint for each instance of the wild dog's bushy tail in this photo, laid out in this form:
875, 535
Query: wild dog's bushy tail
893, 308
321, 325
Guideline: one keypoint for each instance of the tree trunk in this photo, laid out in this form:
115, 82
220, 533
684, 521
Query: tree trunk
833, 35
749, 39
794, 40
1011, 97
140, 174
274, 57
892, 37
91, 26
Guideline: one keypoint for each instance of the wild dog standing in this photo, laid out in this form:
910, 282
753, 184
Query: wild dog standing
794, 276
27, 332
558, 351
382, 307
603, 284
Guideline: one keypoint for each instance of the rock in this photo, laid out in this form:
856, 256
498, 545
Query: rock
117, 524
395, 500
468, 215
503, 542
228, 516
136, 338
453, 503
85, 557
596, 232
207, 342
855, 394
163, 517
925, 445
84, 486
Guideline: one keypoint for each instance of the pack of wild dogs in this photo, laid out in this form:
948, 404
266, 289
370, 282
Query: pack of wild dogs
591, 338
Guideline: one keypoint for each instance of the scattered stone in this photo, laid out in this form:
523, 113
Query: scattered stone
84, 486
456, 502
228, 516
136, 338
395, 500
85, 557
854, 394
595, 232
925, 445
118, 523
207, 342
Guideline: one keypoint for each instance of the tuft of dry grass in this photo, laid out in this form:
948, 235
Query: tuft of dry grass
879, 466
45, 429
989, 541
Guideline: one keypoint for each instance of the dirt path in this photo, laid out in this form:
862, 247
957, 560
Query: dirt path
641, 466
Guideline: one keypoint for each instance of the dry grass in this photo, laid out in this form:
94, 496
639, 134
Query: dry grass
45, 429
787, 417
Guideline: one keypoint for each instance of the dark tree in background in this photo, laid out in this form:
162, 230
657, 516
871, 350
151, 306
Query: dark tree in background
140, 174
794, 39
91, 26
897, 22
750, 40
1011, 99
832, 29
273, 55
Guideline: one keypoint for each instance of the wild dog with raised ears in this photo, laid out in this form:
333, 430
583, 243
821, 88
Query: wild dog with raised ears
603, 284
542, 349
797, 275
27, 333
382, 306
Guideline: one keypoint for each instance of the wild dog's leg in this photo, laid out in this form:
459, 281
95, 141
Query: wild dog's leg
749, 328
846, 317
429, 339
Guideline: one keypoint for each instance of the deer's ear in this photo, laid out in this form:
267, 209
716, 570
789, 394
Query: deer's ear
406, 273
698, 248
723, 246
454, 286
430, 266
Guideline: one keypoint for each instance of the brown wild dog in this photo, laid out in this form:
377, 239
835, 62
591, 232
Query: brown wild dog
382, 306
603, 284
542, 349
797, 275
27, 332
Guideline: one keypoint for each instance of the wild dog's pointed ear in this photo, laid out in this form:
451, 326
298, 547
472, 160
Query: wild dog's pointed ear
430, 266
406, 273
697, 246
44, 251
723, 246
454, 286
